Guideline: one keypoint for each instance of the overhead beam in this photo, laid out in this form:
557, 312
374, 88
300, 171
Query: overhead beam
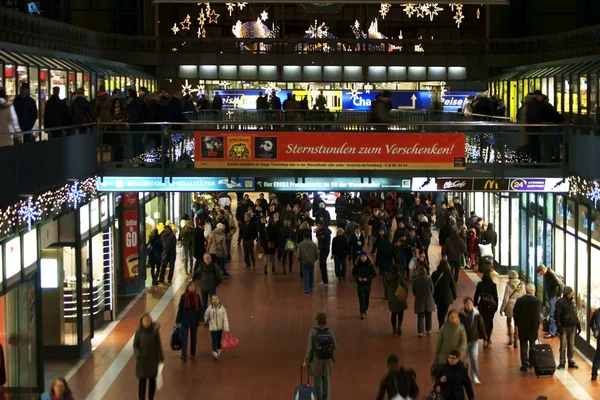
325, 3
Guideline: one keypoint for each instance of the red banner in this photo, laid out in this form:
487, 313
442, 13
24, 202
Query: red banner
329, 150
130, 244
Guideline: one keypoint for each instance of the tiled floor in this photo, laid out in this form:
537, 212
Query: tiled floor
271, 316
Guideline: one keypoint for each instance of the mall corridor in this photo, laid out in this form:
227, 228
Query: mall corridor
271, 316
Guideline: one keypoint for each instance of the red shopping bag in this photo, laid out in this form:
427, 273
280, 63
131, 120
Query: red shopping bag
229, 342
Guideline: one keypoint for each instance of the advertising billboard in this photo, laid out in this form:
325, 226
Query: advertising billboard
334, 184
327, 150
177, 184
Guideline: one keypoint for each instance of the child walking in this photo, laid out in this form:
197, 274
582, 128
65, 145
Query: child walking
216, 319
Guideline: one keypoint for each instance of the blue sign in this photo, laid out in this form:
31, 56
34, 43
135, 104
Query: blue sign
357, 102
177, 184
454, 101
403, 100
332, 184
246, 99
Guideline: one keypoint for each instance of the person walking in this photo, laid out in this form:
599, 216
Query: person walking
189, 315
187, 246
397, 306
363, 273
27, 111
217, 247
514, 290
356, 243
9, 122
453, 336
249, 233
568, 326
595, 328
154, 248
56, 114
553, 289
324, 241
444, 290
473, 323
208, 277
527, 323
319, 356
398, 381
486, 300
308, 254
422, 288
59, 390
199, 243
453, 378
287, 245
216, 319
148, 355
339, 253
384, 258
169, 253
455, 252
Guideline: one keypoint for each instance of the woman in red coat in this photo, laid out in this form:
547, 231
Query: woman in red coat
472, 247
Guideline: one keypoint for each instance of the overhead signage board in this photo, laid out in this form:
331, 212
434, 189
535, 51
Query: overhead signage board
176, 184
246, 99
332, 184
549, 185
327, 150
545, 185
490, 185
456, 185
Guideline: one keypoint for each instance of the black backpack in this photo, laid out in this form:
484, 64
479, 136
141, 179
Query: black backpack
324, 344
487, 303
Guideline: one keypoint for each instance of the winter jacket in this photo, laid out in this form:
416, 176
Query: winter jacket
209, 276
356, 245
26, 110
249, 230
324, 239
486, 287
323, 216
155, 253
56, 113
452, 337
136, 110
308, 252
422, 288
187, 235
81, 110
216, 318
527, 316
364, 269
457, 378
489, 236
514, 290
189, 316
444, 291
565, 314
199, 242
402, 382
103, 106
9, 123
553, 284
339, 246
316, 366
169, 242
148, 351
385, 256
286, 234
365, 217
473, 242
455, 248
341, 208
217, 243
476, 330
350, 228
391, 283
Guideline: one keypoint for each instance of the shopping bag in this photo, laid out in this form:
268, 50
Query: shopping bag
159, 377
259, 252
176, 338
229, 342
412, 263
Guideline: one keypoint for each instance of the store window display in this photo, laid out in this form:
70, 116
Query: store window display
581, 299
595, 287
102, 273
10, 80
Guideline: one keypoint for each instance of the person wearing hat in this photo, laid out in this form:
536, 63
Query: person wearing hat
363, 273
568, 326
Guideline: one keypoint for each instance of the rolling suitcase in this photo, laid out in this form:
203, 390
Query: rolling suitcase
542, 360
304, 392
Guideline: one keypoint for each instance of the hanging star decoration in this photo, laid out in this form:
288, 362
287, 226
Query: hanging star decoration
213, 17
241, 5
207, 8
432, 10
409, 9
264, 15
230, 7
201, 18
229, 114
354, 93
356, 30
185, 24
29, 213
199, 89
199, 32
186, 88
458, 18
75, 195
594, 193
384, 9
458, 6
420, 11
367, 88
317, 31
175, 29
174, 50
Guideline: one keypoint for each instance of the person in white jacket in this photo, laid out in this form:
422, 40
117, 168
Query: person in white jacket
514, 290
9, 122
216, 319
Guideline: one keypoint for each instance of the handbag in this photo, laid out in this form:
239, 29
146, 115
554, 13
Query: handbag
159, 377
435, 367
512, 294
176, 338
229, 342
289, 244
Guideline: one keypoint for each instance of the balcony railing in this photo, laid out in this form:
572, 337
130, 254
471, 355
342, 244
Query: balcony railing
23, 29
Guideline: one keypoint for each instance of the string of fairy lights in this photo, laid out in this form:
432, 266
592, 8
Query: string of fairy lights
35, 208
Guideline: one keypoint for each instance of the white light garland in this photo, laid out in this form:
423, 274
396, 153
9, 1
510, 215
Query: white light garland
230, 7
431, 10
175, 29
384, 9
241, 5
317, 31
458, 18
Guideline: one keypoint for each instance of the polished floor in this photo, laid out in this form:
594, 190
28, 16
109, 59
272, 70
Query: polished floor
271, 317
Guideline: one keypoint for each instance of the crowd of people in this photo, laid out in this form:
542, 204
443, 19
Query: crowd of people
281, 237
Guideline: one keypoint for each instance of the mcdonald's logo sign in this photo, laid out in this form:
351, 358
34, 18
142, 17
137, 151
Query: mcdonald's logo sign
491, 185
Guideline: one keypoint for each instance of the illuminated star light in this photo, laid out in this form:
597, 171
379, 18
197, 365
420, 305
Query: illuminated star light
199, 89
29, 213
385, 8
224, 84
354, 93
317, 31
186, 88
420, 11
264, 16
458, 18
185, 24
431, 10
459, 6
356, 29
175, 29
230, 7
409, 9
594, 193
213, 17
241, 5
201, 18
75, 195
367, 88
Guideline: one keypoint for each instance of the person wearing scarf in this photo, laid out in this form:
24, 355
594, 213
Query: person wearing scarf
189, 315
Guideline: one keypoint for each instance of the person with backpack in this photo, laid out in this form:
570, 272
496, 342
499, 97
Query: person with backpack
398, 381
486, 300
363, 273
595, 327
396, 291
319, 356
424, 232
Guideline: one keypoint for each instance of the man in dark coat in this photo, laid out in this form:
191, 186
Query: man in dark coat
398, 381
568, 326
324, 240
489, 236
26, 110
363, 273
527, 320
341, 211
384, 259
56, 113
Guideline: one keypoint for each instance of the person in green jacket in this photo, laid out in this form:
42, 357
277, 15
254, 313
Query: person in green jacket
363, 273
452, 337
